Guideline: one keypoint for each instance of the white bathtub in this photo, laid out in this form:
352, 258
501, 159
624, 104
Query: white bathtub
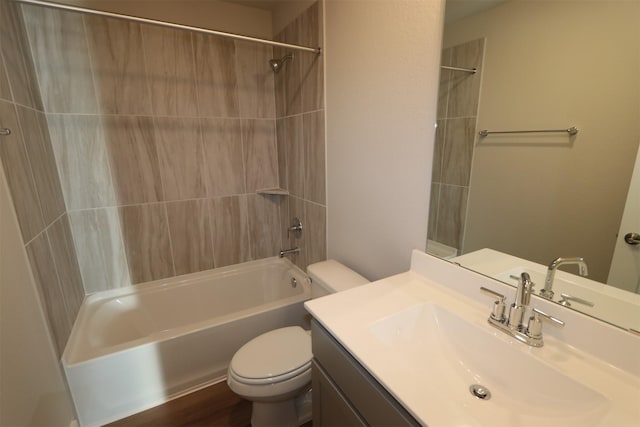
134, 348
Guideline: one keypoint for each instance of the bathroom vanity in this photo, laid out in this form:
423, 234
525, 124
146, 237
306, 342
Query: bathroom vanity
344, 393
417, 349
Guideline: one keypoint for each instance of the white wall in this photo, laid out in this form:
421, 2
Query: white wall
32, 391
382, 64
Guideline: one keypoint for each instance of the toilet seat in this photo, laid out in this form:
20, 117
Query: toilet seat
273, 357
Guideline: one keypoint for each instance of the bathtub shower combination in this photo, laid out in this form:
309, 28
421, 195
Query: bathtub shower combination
134, 348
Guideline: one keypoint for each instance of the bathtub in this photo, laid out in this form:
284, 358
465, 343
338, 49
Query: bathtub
133, 348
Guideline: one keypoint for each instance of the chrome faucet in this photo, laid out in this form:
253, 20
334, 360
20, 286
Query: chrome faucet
284, 252
551, 273
530, 334
523, 297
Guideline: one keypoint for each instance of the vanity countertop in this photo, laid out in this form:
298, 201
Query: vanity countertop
424, 336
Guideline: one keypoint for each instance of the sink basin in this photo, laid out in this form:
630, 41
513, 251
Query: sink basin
424, 336
457, 354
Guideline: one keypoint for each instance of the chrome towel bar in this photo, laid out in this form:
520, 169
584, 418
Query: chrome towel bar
5, 131
571, 131
467, 70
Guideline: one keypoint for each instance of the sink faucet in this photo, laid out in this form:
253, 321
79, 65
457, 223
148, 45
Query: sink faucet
530, 334
523, 296
551, 273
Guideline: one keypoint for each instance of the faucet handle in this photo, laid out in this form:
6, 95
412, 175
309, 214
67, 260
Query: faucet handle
566, 298
497, 313
534, 329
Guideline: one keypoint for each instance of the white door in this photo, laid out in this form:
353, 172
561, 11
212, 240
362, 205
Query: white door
625, 266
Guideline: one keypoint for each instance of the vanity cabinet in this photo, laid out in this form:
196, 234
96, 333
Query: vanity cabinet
344, 393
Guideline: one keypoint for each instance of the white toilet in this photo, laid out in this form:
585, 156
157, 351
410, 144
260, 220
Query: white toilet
273, 370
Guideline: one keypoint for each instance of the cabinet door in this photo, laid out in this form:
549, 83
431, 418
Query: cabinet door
330, 408
375, 405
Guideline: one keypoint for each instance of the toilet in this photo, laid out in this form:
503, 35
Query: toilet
273, 370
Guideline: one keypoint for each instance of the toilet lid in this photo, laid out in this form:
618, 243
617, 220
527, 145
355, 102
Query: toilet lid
275, 355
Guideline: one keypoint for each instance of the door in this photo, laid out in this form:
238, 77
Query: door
625, 266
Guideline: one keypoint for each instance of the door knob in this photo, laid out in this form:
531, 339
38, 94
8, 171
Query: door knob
632, 238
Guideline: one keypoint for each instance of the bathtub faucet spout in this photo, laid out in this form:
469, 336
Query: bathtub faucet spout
284, 252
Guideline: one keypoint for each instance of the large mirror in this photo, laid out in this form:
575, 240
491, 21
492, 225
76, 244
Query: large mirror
537, 196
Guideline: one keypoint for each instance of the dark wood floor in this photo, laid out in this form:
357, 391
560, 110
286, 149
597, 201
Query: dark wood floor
215, 405
212, 406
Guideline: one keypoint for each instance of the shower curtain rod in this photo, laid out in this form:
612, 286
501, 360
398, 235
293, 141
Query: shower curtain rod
53, 5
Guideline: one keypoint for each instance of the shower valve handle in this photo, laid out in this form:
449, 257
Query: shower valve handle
296, 227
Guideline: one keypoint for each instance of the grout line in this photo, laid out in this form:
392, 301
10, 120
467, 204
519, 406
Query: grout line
75, 246
23, 57
247, 201
147, 76
165, 116
29, 47
56, 268
3, 63
236, 75
92, 67
169, 201
43, 230
123, 247
450, 185
33, 56
203, 158
166, 218
23, 142
194, 63
159, 165
209, 210
437, 213
197, 116
244, 162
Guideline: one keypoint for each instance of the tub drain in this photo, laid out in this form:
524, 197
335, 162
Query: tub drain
480, 392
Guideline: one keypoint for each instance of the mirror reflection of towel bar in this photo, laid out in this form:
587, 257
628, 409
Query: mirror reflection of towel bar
466, 70
571, 131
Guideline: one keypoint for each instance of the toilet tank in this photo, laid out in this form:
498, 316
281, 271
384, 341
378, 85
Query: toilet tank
328, 277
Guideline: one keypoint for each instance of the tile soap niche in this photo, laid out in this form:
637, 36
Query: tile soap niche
275, 191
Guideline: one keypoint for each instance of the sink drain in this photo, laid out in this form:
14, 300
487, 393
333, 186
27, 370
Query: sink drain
480, 392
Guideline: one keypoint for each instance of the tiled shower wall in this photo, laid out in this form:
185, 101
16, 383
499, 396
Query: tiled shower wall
30, 168
300, 128
160, 139
458, 97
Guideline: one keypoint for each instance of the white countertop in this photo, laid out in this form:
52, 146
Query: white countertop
351, 317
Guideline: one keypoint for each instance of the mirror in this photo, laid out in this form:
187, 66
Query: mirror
538, 196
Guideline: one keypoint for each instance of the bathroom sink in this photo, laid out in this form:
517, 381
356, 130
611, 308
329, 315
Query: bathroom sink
458, 355
424, 336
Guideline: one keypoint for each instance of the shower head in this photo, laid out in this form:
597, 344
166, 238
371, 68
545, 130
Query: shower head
277, 64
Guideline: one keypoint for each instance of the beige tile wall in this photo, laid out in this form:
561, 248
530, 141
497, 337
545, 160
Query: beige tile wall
30, 167
168, 135
301, 140
136, 151
458, 98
